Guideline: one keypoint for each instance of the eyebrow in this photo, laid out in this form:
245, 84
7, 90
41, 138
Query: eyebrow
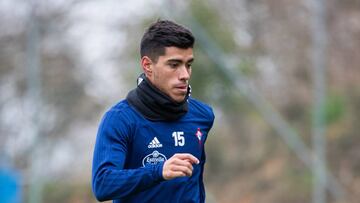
180, 61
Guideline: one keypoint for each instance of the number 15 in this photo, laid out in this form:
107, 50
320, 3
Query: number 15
179, 138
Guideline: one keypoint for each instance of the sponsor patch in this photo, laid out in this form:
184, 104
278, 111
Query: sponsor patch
154, 158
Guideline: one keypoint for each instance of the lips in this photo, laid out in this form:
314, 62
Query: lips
182, 88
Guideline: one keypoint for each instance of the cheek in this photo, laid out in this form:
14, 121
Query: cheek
162, 80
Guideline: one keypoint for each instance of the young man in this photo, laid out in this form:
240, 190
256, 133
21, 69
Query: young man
150, 146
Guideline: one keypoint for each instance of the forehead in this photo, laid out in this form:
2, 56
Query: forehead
177, 53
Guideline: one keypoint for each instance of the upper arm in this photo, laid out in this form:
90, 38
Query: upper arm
112, 142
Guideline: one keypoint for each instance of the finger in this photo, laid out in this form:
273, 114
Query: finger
183, 169
188, 156
188, 161
175, 174
185, 163
169, 173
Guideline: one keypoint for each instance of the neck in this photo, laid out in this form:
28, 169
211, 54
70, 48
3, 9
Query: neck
154, 104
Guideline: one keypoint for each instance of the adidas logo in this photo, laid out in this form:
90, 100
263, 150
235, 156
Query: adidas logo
154, 143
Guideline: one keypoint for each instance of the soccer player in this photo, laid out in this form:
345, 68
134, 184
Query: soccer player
150, 146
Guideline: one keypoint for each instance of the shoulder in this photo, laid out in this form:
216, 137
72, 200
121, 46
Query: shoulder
120, 112
201, 109
122, 107
119, 120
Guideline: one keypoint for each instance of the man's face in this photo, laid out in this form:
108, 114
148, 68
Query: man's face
171, 72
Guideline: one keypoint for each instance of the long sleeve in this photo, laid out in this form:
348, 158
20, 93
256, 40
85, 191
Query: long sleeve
203, 160
109, 178
201, 182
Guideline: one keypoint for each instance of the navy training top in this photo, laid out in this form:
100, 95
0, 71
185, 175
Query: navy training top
130, 152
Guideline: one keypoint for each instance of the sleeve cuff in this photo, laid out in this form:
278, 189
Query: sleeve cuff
158, 169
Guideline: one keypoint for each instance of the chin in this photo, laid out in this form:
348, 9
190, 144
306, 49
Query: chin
179, 99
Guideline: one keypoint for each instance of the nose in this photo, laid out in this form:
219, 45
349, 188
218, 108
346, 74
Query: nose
184, 73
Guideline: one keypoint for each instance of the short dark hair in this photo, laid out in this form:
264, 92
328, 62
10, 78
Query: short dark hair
162, 34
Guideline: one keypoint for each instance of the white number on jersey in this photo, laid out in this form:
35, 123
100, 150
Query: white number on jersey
179, 138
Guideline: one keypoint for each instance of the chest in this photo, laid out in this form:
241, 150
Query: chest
156, 142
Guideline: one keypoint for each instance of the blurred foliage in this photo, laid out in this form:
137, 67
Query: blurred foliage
208, 17
334, 109
67, 192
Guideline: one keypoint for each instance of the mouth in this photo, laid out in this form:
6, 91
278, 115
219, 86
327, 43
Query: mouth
182, 88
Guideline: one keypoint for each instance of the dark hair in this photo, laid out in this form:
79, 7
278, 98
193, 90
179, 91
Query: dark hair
164, 33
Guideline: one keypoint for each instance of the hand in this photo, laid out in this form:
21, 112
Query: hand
179, 165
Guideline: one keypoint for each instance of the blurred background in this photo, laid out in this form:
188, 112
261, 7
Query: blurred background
282, 76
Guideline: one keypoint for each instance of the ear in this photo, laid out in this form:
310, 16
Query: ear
147, 66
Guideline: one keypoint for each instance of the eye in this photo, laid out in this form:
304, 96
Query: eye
188, 65
173, 65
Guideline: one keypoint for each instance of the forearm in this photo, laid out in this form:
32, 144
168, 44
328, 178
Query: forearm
110, 183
